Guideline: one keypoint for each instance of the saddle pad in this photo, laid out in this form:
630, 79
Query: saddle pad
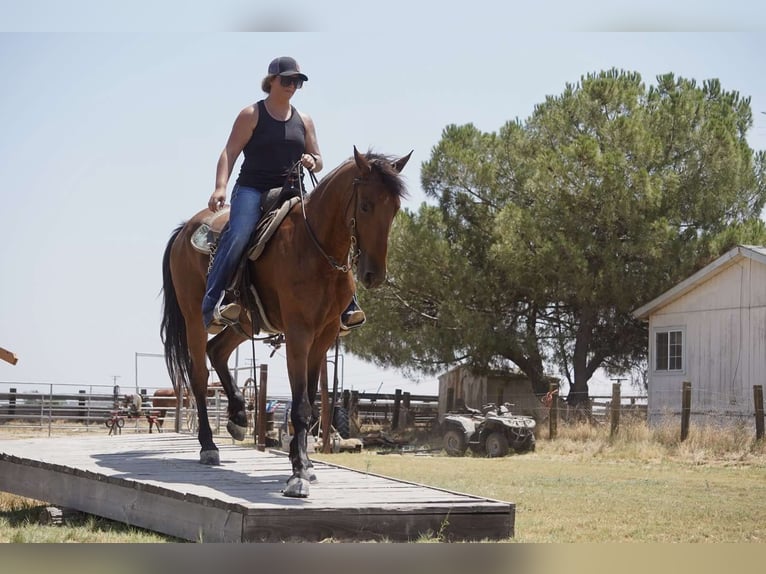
268, 225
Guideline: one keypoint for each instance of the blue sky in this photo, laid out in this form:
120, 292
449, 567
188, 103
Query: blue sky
108, 140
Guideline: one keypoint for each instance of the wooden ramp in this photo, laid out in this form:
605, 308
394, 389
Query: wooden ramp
156, 482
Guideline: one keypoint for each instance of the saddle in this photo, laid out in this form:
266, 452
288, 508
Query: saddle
275, 206
206, 236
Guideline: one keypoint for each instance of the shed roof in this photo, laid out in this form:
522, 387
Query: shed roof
754, 252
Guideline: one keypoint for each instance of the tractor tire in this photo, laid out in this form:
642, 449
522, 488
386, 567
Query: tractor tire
496, 445
454, 442
341, 422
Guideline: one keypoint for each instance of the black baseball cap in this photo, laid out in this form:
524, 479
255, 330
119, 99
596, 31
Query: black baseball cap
286, 66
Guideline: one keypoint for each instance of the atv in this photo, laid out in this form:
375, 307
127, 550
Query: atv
492, 431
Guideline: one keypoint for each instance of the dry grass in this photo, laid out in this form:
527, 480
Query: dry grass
642, 485
20, 523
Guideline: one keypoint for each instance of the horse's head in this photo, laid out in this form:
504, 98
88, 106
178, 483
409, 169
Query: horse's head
378, 194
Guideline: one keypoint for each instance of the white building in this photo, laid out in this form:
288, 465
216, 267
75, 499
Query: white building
710, 329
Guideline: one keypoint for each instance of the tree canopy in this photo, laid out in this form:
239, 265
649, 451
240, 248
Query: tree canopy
547, 233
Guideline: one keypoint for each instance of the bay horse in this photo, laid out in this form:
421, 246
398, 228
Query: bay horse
305, 280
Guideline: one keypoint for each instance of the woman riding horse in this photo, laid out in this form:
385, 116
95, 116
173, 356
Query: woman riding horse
274, 136
304, 278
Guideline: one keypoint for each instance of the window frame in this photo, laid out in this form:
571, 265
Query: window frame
668, 330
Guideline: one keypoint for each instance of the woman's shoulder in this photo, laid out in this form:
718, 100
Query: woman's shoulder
304, 116
252, 109
250, 113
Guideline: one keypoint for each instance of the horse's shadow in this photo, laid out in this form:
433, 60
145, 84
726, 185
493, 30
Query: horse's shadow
165, 470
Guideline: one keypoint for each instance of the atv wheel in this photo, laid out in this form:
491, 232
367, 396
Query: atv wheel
496, 445
454, 442
527, 444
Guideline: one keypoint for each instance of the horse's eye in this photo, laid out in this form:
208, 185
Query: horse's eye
366, 207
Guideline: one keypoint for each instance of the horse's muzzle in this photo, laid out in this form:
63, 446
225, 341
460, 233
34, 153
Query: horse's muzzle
371, 276
371, 281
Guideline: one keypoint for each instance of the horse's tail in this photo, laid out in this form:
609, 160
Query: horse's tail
173, 326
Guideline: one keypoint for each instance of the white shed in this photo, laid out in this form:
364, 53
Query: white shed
710, 329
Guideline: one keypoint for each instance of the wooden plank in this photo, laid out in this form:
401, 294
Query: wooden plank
8, 357
157, 482
129, 505
315, 525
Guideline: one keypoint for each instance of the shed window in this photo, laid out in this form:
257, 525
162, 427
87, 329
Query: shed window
669, 351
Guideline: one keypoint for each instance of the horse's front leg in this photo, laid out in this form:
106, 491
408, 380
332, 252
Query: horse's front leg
300, 415
298, 483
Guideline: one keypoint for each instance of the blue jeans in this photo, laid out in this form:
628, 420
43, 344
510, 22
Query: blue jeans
243, 217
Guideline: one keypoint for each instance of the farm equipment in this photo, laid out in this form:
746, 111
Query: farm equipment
492, 431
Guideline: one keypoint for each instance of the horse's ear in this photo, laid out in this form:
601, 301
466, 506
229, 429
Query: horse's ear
399, 164
362, 163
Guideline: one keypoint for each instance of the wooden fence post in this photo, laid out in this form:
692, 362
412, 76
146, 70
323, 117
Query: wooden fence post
397, 404
615, 411
353, 414
686, 409
326, 410
406, 401
553, 415
261, 409
758, 401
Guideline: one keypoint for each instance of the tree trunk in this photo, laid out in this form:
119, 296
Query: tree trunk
578, 393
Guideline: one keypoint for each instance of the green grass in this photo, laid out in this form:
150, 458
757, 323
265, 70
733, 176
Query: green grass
640, 486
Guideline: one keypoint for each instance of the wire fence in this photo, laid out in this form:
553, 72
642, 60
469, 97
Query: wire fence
53, 408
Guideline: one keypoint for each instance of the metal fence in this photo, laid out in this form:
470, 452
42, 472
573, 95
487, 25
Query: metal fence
96, 408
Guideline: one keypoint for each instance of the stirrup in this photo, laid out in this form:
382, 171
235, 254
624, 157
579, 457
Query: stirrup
352, 320
223, 316
227, 314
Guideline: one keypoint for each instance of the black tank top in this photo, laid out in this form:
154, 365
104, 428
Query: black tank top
273, 149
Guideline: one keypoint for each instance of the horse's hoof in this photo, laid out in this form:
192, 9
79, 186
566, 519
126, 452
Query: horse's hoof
296, 487
210, 457
237, 432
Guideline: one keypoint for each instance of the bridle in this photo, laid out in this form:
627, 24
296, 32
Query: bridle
353, 251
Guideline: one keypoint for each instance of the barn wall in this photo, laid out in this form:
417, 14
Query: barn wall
724, 320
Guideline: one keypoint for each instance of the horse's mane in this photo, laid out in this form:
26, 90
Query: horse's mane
382, 168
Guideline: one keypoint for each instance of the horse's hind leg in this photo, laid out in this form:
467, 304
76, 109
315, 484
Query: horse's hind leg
199, 376
219, 349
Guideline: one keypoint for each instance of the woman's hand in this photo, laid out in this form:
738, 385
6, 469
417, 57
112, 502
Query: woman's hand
308, 161
217, 200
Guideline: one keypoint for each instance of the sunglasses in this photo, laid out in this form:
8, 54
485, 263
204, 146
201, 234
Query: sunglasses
286, 81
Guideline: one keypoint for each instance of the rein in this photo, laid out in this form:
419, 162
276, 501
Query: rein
353, 251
